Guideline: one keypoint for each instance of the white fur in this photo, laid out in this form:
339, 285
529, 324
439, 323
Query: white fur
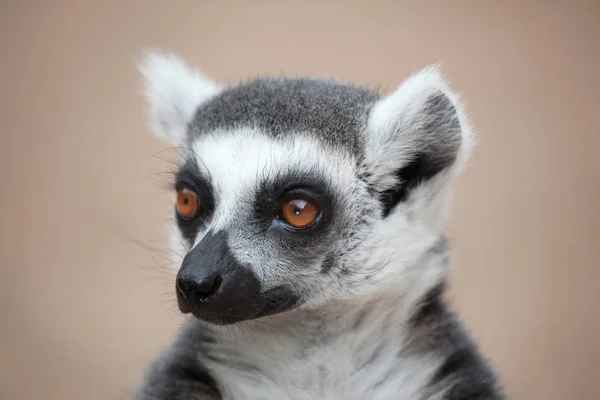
238, 161
403, 107
396, 115
173, 93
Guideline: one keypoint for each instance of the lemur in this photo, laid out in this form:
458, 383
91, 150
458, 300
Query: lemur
312, 216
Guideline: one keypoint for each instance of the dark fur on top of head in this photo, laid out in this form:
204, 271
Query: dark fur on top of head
332, 111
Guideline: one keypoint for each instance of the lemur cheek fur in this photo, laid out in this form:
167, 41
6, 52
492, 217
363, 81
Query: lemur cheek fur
311, 214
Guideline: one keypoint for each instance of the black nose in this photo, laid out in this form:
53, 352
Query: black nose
196, 291
214, 286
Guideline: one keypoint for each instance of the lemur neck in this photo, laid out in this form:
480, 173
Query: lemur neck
394, 302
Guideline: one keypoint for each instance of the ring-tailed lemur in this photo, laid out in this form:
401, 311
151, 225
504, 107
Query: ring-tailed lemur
312, 217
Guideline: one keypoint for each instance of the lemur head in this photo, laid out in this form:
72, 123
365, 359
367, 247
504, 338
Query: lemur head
296, 192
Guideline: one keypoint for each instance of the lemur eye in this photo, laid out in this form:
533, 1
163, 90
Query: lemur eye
187, 203
299, 213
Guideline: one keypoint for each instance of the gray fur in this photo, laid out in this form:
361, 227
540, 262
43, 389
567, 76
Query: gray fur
352, 307
332, 111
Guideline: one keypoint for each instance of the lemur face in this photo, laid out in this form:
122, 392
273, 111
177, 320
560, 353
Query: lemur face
295, 192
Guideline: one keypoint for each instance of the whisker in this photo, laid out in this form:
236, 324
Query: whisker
178, 238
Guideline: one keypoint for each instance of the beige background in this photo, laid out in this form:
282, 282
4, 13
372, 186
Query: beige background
85, 301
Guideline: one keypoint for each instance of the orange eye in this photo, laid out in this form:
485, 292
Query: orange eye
187, 203
299, 213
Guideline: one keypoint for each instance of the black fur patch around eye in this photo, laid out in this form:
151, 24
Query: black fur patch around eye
274, 192
189, 176
440, 138
299, 247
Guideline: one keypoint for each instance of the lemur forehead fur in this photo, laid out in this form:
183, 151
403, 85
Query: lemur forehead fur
311, 220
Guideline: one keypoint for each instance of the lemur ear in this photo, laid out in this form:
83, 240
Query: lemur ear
415, 134
173, 92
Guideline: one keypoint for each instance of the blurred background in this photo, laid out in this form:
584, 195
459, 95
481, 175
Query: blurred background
86, 300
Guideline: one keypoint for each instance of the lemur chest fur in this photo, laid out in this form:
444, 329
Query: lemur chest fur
364, 359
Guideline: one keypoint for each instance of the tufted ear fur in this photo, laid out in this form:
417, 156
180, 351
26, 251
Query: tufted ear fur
173, 93
416, 135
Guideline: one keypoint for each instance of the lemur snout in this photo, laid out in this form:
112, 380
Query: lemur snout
214, 286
